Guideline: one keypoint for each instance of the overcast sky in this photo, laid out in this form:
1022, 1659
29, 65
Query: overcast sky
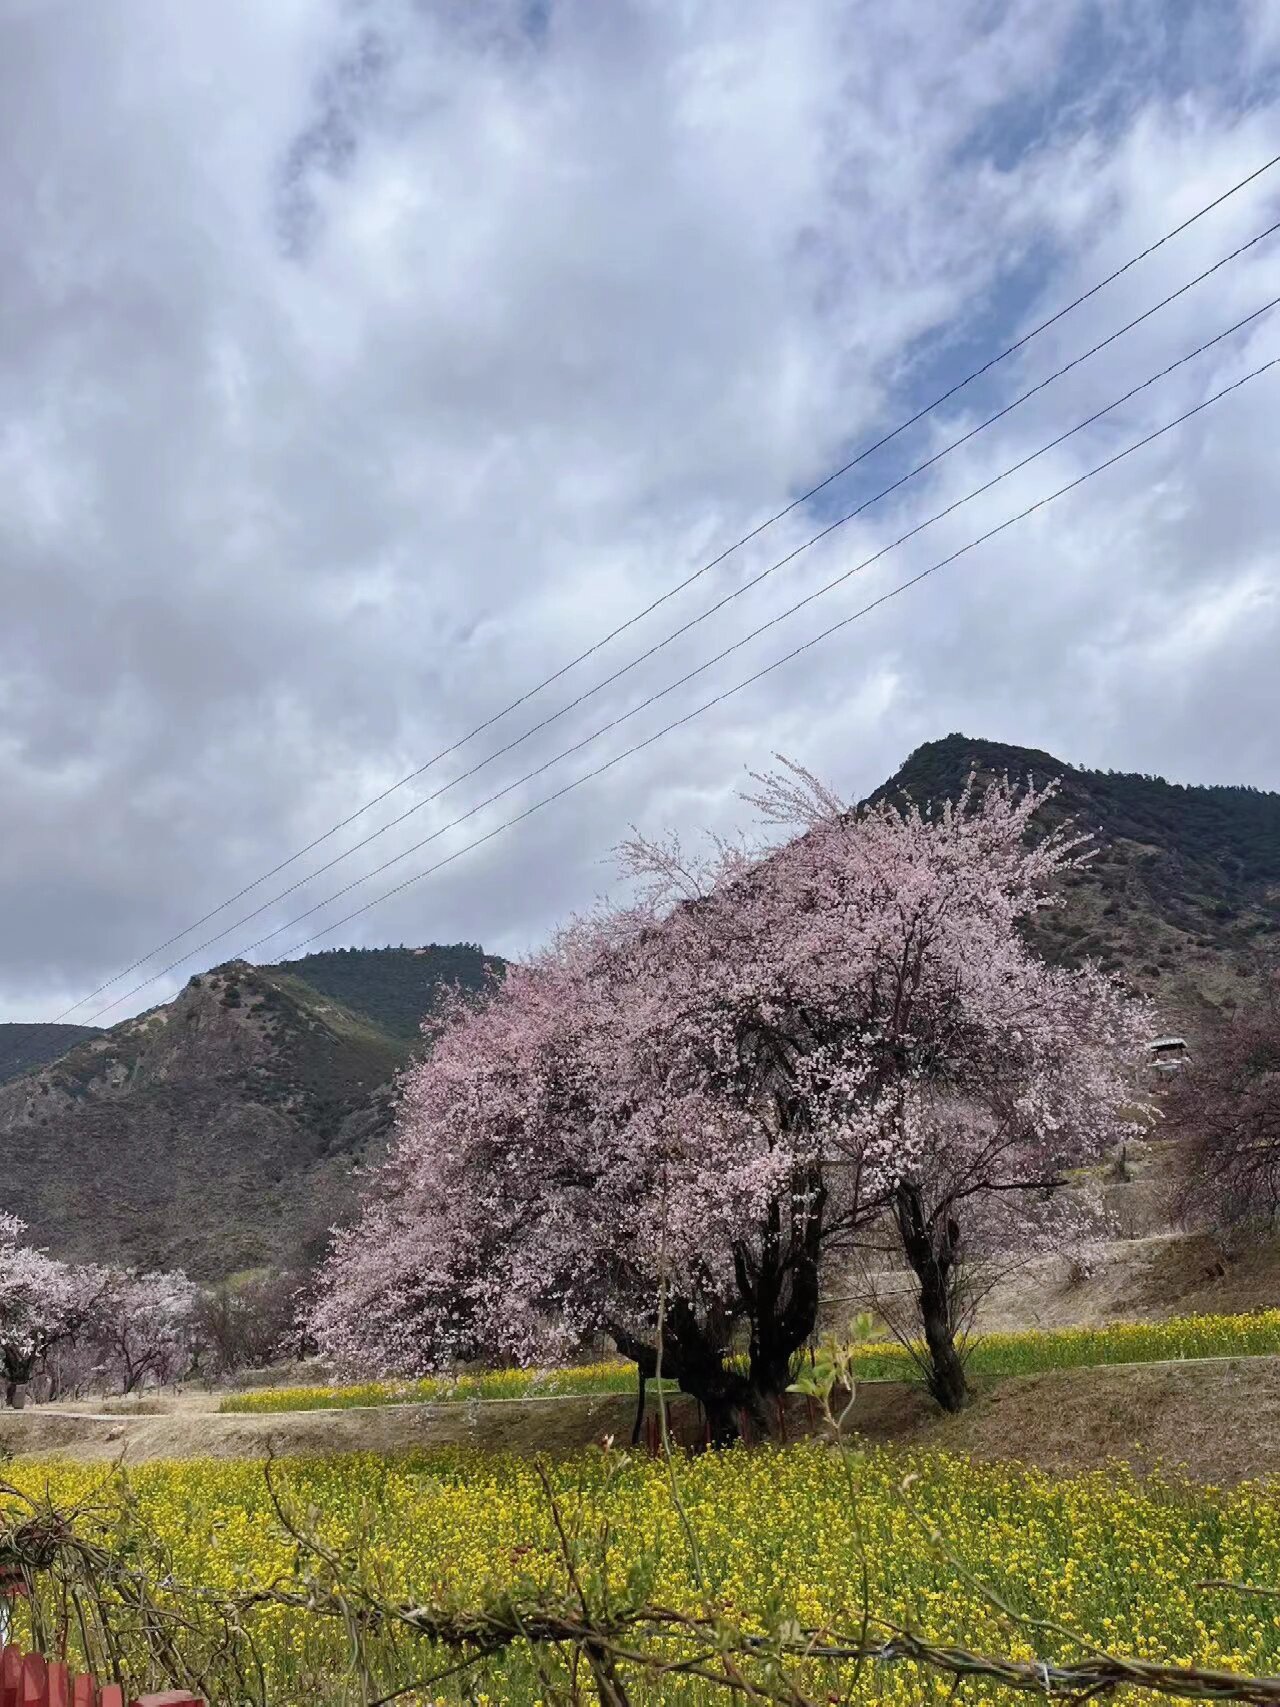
364, 361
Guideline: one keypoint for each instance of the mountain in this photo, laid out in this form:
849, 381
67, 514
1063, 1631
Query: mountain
23, 1047
219, 1131
1182, 895
393, 987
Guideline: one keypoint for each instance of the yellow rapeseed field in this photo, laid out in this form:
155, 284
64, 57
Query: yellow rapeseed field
613, 1376
1032, 1349
780, 1534
992, 1354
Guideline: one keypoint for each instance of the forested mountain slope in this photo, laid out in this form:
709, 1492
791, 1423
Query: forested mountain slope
1182, 896
393, 987
23, 1047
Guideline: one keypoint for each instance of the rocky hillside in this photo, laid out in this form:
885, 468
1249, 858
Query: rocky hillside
1182, 896
218, 1131
23, 1047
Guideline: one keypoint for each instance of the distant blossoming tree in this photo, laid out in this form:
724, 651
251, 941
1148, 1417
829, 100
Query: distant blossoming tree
1224, 1107
43, 1303
144, 1325
680, 1106
245, 1322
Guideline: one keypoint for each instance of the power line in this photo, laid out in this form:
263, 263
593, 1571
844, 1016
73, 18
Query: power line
777, 663
713, 563
717, 658
727, 599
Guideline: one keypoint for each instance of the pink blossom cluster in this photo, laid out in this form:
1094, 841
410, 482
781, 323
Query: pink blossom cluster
42, 1300
143, 1325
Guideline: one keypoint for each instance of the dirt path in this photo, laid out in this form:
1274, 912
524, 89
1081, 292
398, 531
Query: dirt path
1219, 1420
552, 1425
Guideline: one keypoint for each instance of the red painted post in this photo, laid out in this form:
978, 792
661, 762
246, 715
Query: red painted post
29, 1680
10, 1675
34, 1686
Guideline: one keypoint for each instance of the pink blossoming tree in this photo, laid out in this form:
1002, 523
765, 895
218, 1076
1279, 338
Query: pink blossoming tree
43, 1303
1223, 1106
144, 1325
679, 1107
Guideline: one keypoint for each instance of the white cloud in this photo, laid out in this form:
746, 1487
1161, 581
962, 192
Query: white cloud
362, 363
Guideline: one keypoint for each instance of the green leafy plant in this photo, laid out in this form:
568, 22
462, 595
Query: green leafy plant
832, 1369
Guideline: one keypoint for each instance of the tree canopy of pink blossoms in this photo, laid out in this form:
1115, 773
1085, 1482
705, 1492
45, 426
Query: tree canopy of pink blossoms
42, 1302
694, 1098
144, 1326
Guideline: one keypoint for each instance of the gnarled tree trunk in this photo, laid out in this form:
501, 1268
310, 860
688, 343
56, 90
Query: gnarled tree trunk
778, 1294
696, 1356
779, 1287
932, 1249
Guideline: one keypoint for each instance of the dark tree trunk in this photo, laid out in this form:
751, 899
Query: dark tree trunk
699, 1361
646, 1365
725, 1420
17, 1373
695, 1358
778, 1295
932, 1251
946, 1372
779, 1285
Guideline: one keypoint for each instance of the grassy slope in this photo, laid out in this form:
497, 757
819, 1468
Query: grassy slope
1063, 1421
1071, 1419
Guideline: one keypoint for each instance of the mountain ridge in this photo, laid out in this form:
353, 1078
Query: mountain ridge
1182, 893
25, 1046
